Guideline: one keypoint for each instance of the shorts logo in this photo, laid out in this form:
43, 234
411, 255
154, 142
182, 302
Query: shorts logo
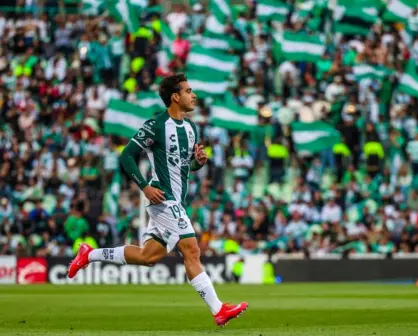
182, 223
141, 134
167, 234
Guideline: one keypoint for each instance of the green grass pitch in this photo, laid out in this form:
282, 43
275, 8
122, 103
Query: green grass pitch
279, 310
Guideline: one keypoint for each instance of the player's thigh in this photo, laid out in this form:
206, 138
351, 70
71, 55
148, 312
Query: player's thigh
153, 250
189, 248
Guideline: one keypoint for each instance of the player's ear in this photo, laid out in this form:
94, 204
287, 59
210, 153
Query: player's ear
175, 97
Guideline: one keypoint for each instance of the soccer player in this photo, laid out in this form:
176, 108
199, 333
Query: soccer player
171, 143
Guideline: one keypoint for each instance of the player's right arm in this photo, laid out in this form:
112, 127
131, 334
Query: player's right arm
129, 158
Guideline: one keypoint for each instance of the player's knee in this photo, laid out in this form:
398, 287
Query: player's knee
192, 253
150, 261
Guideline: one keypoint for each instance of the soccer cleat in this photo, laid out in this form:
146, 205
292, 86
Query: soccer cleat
228, 312
80, 261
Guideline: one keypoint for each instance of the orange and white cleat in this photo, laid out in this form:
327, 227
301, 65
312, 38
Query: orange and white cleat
80, 261
228, 312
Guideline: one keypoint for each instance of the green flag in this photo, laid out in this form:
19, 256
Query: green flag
233, 116
124, 11
124, 119
310, 138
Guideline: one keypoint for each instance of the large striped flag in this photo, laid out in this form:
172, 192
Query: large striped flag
111, 196
367, 71
149, 100
310, 11
298, 46
221, 11
399, 10
272, 10
355, 17
201, 58
409, 80
311, 138
165, 55
93, 7
233, 116
124, 11
124, 119
221, 42
207, 83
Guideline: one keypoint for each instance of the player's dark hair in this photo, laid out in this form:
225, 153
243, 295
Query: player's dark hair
170, 85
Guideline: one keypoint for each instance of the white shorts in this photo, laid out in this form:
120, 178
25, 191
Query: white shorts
168, 224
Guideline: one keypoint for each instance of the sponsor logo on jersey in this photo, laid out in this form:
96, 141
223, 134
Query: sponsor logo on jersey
167, 234
182, 223
148, 129
191, 136
173, 137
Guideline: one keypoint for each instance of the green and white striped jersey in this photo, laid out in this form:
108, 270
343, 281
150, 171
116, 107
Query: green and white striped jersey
169, 144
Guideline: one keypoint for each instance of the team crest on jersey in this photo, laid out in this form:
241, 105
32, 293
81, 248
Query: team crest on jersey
182, 223
140, 134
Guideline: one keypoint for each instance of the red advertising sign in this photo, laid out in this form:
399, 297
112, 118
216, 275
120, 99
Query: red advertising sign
31, 271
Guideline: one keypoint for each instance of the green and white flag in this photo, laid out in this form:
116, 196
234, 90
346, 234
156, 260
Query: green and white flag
399, 10
112, 194
168, 36
220, 42
366, 71
207, 83
311, 138
311, 11
221, 11
409, 80
149, 100
124, 11
272, 10
124, 119
165, 55
355, 17
207, 59
93, 7
140, 3
233, 116
298, 47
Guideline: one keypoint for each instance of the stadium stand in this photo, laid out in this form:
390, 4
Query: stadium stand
307, 109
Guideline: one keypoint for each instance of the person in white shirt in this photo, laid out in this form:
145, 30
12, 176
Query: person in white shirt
177, 19
331, 212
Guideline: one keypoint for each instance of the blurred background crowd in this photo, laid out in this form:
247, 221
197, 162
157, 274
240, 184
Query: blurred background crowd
62, 61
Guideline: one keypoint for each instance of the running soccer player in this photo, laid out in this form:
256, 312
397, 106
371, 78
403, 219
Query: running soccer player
171, 143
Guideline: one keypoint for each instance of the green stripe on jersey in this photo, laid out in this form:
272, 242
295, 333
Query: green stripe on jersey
183, 142
160, 159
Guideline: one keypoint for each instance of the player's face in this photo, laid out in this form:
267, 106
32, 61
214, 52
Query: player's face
187, 99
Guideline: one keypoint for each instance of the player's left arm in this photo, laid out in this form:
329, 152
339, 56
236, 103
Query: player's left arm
199, 158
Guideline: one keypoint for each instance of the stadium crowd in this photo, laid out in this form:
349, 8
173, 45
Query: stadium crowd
60, 180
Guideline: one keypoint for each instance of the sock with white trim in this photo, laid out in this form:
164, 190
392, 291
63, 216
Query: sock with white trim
113, 255
204, 287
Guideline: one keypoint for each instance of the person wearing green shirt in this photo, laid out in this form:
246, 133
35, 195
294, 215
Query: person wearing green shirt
257, 145
76, 225
117, 49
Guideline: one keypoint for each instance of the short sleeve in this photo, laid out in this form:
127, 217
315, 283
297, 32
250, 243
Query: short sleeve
146, 135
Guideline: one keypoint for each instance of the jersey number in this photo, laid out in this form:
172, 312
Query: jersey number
176, 211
